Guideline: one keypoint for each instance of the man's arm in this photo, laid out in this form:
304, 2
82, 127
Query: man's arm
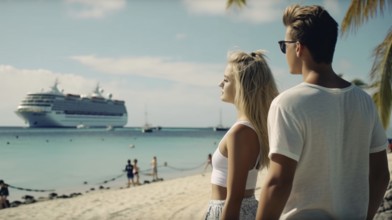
378, 181
277, 188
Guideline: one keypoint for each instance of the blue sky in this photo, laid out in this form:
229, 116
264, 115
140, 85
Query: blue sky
166, 57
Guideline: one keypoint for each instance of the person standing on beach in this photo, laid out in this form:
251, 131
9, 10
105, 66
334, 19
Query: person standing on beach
154, 167
327, 146
4, 193
248, 84
136, 172
208, 163
129, 170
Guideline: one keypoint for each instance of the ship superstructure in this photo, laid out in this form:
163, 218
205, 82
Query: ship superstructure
56, 109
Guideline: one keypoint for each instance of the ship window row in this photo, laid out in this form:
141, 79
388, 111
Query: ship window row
95, 111
116, 109
86, 108
73, 102
89, 104
36, 101
43, 96
85, 99
35, 104
92, 113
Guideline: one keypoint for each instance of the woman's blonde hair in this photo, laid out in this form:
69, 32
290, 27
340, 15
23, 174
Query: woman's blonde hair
255, 90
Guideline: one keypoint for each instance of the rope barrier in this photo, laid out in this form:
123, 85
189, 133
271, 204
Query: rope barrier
145, 172
173, 168
111, 180
31, 190
185, 169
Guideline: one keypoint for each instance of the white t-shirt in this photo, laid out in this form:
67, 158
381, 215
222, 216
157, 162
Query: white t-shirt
330, 133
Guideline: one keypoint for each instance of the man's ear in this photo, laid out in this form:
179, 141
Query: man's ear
299, 49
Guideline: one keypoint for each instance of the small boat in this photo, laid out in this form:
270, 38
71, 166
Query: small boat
220, 127
147, 128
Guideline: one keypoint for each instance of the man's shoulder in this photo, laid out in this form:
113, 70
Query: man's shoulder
291, 94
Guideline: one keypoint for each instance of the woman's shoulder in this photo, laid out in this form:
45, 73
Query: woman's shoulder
242, 140
242, 126
242, 130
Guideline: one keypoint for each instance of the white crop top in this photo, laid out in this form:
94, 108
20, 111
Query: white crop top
220, 164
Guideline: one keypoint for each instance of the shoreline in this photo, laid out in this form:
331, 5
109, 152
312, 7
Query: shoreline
17, 194
74, 161
179, 198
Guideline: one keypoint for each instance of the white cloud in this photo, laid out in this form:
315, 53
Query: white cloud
216, 7
261, 11
16, 83
285, 80
199, 74
332, 6
181, 36
94, 8
345, 67
255, 11
179, 105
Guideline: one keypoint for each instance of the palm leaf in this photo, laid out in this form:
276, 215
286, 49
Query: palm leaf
239, 3
382, 72
360, 11
360, 83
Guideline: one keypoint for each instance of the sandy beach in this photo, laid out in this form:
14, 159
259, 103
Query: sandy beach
181, 198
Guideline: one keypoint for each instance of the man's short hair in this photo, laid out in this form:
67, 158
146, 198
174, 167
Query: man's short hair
313, 27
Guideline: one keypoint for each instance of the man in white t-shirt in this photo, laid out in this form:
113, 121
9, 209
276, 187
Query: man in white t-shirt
327, 146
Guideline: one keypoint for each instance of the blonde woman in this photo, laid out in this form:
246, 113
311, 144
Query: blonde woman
249, 85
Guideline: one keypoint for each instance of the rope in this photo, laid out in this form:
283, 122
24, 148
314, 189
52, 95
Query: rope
145, 172
111, 180
149, 169
185, 169
173, 168
31, 190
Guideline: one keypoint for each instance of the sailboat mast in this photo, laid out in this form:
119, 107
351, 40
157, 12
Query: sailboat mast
220, 117
145, 116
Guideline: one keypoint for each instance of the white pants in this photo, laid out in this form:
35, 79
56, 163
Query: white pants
247, 212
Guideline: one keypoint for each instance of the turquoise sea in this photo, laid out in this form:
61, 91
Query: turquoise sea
35, 161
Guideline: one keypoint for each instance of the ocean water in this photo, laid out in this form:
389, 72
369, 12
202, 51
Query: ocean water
37, 161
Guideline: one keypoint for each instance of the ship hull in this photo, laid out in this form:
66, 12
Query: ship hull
50, 119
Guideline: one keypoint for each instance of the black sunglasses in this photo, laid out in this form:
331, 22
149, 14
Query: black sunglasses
282, 44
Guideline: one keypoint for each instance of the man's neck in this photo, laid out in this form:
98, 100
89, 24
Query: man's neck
323, 75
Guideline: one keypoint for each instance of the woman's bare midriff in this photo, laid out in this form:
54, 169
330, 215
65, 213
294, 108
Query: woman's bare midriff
220, 192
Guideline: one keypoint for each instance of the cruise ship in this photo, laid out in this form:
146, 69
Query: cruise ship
56, 109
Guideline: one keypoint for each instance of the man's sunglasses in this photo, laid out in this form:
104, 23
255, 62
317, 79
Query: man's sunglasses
282, 44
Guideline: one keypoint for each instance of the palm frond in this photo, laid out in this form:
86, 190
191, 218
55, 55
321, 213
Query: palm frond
239, 3
360, 11
382, 72
360, 83
376, 98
